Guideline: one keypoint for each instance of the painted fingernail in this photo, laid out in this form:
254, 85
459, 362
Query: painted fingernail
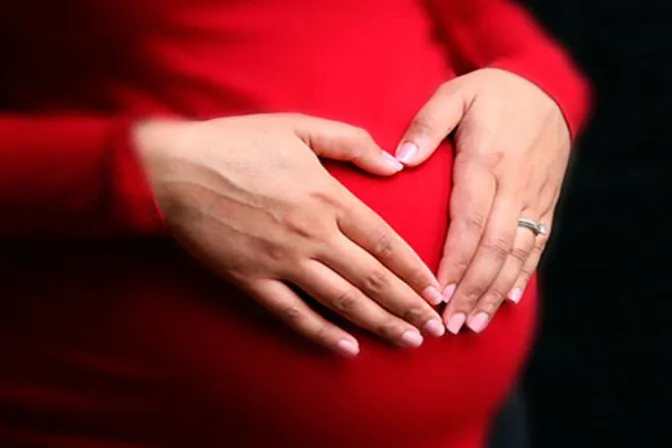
411, 338
516, 295
392, 162
348, 348
432, 295
435, 328
448, 293
407, 152
479, 322
455, 323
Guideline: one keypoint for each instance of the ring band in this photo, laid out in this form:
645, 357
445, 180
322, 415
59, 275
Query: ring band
537, 229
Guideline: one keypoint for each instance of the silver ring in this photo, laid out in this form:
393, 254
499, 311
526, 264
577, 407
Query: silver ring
537, 229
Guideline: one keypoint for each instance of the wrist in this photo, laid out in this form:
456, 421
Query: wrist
157, 144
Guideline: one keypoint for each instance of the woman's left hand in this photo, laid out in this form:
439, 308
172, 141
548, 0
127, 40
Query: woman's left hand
512, 149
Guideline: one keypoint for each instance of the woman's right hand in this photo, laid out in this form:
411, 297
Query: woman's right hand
249, 197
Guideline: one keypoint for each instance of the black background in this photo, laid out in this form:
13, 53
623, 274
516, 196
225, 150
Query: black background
601, 374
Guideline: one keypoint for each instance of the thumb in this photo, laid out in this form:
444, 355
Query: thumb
339, 141
435, 121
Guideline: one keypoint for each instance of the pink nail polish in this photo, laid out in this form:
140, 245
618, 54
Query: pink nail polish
516, 295
392, 161
407, 152
448, 293
479, 322
411, 338
435, 328
455, 323
432, 295
348, 348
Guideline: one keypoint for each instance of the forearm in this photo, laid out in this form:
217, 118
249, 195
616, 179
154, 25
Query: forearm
74, 176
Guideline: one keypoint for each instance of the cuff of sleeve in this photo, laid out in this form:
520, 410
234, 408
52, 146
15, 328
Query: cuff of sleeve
136, 205
554, 73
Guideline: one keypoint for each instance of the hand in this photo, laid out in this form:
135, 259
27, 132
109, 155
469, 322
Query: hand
512, 148
249, 198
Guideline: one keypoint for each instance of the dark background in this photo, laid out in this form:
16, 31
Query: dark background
601, 374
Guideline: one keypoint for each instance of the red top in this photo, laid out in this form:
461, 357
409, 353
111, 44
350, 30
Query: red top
110, 336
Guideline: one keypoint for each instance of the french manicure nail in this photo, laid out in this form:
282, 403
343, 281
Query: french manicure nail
455, 323
435, 328
407, 152
411, 338
516, 295
348, 348
448, 293
479, 322
432, 295
392, 161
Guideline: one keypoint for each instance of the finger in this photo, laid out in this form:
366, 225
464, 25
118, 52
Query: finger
286, 304
376, 282
470, 204
330, 289
532, 261
346, 143
433, 123
487, 306
491, 254
365, 228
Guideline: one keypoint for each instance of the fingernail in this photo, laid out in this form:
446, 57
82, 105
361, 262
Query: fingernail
455, 323
348, 348
516, 295
479, 322
407, 152
432, 295
435, 328
448, 293
392, 162
411, 338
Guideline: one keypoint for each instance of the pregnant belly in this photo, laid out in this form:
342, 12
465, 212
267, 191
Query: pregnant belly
142, 345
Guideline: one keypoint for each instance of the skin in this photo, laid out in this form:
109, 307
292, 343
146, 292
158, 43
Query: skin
250, 199
265, 220
512, 149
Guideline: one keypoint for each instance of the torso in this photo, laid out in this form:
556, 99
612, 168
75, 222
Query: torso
131, 341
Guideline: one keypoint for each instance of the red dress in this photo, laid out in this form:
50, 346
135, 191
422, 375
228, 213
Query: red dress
110, 336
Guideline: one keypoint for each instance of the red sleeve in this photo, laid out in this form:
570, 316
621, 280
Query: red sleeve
502, 34
72, 176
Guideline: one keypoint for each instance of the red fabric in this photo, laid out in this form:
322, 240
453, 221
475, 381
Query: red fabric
111, 336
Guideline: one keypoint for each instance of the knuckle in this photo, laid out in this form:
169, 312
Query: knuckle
519, 254
495, 294
376, 281
346, 302
446, 88
384, 247
417, 278
498, 247
360, 145
537, 251
326, 197
423, 125
390, 329
300, 224
472, 293
276, 253
490, 304
415, 314
526, 273
475, 222
361, 135
322, 333
459, 266
291, 314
